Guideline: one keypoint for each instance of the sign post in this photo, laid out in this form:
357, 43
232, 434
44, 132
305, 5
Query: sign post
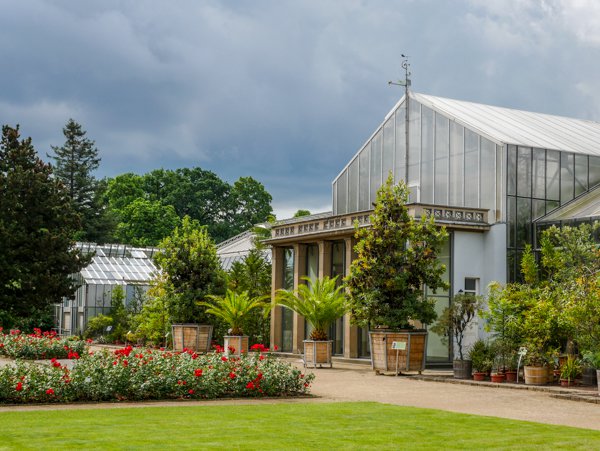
398, 346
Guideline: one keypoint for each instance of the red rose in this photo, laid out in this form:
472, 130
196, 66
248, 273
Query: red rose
250, 385
232, 375
224, 359
49, 391
198, 372
19, 386
191, 392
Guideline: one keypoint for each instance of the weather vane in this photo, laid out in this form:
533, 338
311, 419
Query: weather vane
407, 73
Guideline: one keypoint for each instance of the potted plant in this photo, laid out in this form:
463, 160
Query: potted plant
396, 259
593, 358
591, 367
321, 303
569, 371
454, 322
480, 360
234, 309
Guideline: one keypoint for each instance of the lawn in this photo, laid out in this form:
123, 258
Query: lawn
280, 426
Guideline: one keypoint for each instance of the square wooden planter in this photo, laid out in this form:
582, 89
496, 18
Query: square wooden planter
196, 337
317, 353
238, 342
386, 359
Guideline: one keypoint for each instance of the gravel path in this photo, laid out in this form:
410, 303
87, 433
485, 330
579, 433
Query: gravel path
346, 382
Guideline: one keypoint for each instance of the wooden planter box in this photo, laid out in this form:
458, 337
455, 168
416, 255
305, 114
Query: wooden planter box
462, 369
238, 342
386, 359
196, 337
536, 375
317, 353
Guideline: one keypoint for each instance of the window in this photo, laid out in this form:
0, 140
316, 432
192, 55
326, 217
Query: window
471, 285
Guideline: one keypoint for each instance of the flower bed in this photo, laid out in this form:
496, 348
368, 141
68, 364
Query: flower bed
130, 374
39, 345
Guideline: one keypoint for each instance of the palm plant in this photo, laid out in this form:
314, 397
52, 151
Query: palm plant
319, 301
234, 308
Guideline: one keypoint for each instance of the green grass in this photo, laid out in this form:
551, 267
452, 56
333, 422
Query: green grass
280, 426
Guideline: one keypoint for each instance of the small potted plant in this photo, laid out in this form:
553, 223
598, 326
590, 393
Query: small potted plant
454, 322
569, 370
480, 359
589, 372
234, 309
321, 303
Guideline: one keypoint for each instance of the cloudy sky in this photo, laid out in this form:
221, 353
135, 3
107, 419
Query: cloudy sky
283, 91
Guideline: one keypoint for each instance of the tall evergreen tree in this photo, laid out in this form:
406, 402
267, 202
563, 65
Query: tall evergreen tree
75, 161
37, 223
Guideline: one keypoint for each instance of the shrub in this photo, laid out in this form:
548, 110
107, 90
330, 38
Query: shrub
40, 345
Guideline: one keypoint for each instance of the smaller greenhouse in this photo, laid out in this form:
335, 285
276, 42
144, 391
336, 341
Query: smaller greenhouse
112, 265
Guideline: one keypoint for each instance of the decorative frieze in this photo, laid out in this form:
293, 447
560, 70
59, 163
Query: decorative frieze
454, 214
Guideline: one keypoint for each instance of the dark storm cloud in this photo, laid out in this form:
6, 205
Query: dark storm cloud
283, 91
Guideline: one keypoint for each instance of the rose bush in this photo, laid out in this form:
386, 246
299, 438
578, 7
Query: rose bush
130, 374
39, 345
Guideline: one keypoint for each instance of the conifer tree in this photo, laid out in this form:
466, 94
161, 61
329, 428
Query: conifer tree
37, 223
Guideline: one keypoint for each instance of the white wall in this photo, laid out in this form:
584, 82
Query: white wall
481, 256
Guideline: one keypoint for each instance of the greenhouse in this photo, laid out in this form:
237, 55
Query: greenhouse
112, 265
492, 176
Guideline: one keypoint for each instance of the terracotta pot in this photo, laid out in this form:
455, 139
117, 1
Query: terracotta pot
511, 375
567, 383
479, 376
498, 378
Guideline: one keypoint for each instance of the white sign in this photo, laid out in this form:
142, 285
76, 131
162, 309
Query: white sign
399, 345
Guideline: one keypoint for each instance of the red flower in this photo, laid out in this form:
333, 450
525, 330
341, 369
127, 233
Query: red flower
198, 372
19, 386
276, 348
231, 349
125, 363
232, 375
250, 385
191, 392
224, 359
73, 355
49, 391
261, 357
89, 340
306, 384
55, 363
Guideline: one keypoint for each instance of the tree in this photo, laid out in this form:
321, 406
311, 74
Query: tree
301, 213
37, 223
188, 258
75, 161
146, 223
251, 203
234, 309
397, 257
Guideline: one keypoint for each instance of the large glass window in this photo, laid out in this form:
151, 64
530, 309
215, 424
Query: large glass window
353, 186
400, 160
387, 160
567, 177
287, 315
456, 164
442, 153
427, 155
363, 186
553, 174
488, 174
471, 169
538, 172
414, 143
312, 261
437, 350
342, 194
375, 165
524, 172
581, 174
594, 173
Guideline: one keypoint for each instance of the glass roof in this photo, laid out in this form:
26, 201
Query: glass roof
585, 206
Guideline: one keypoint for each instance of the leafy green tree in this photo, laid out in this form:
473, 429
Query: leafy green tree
251, 204
37, 223
74, 164
397, 257
188, 258
123, 190
234, 308
301, 213
146, 223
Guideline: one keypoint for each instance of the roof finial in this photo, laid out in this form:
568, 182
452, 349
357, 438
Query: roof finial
407, 73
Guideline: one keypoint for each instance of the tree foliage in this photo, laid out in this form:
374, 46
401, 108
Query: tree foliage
37, 223
397, 257
189, 261
235, 309
146, 223
74, 164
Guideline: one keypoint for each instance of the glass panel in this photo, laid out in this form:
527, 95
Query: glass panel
400, 165
442, 151
414, 143
567, 178
375, 165
288, 269
312, 261
437, 351
426, 155
456, 164
334, 191
511, 220
338, 253
524, 171
353, 186
364, 349
444, 258
551, 205
342, 194
287, 328
523, 221
510, 265
581, 174
471, 169
539, 173
512, 170
388, 148
539, 208
594, 171
363, 185
488, 174
553, 174
336, 333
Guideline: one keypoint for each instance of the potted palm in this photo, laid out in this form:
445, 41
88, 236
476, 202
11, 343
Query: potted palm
396, 259
321, 303
234, 309
454, 322
569, 370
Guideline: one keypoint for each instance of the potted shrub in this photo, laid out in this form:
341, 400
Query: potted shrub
454, 322
591, 365
321, 303
234, 309
569, 371
396, 259
480, 360
594, 360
